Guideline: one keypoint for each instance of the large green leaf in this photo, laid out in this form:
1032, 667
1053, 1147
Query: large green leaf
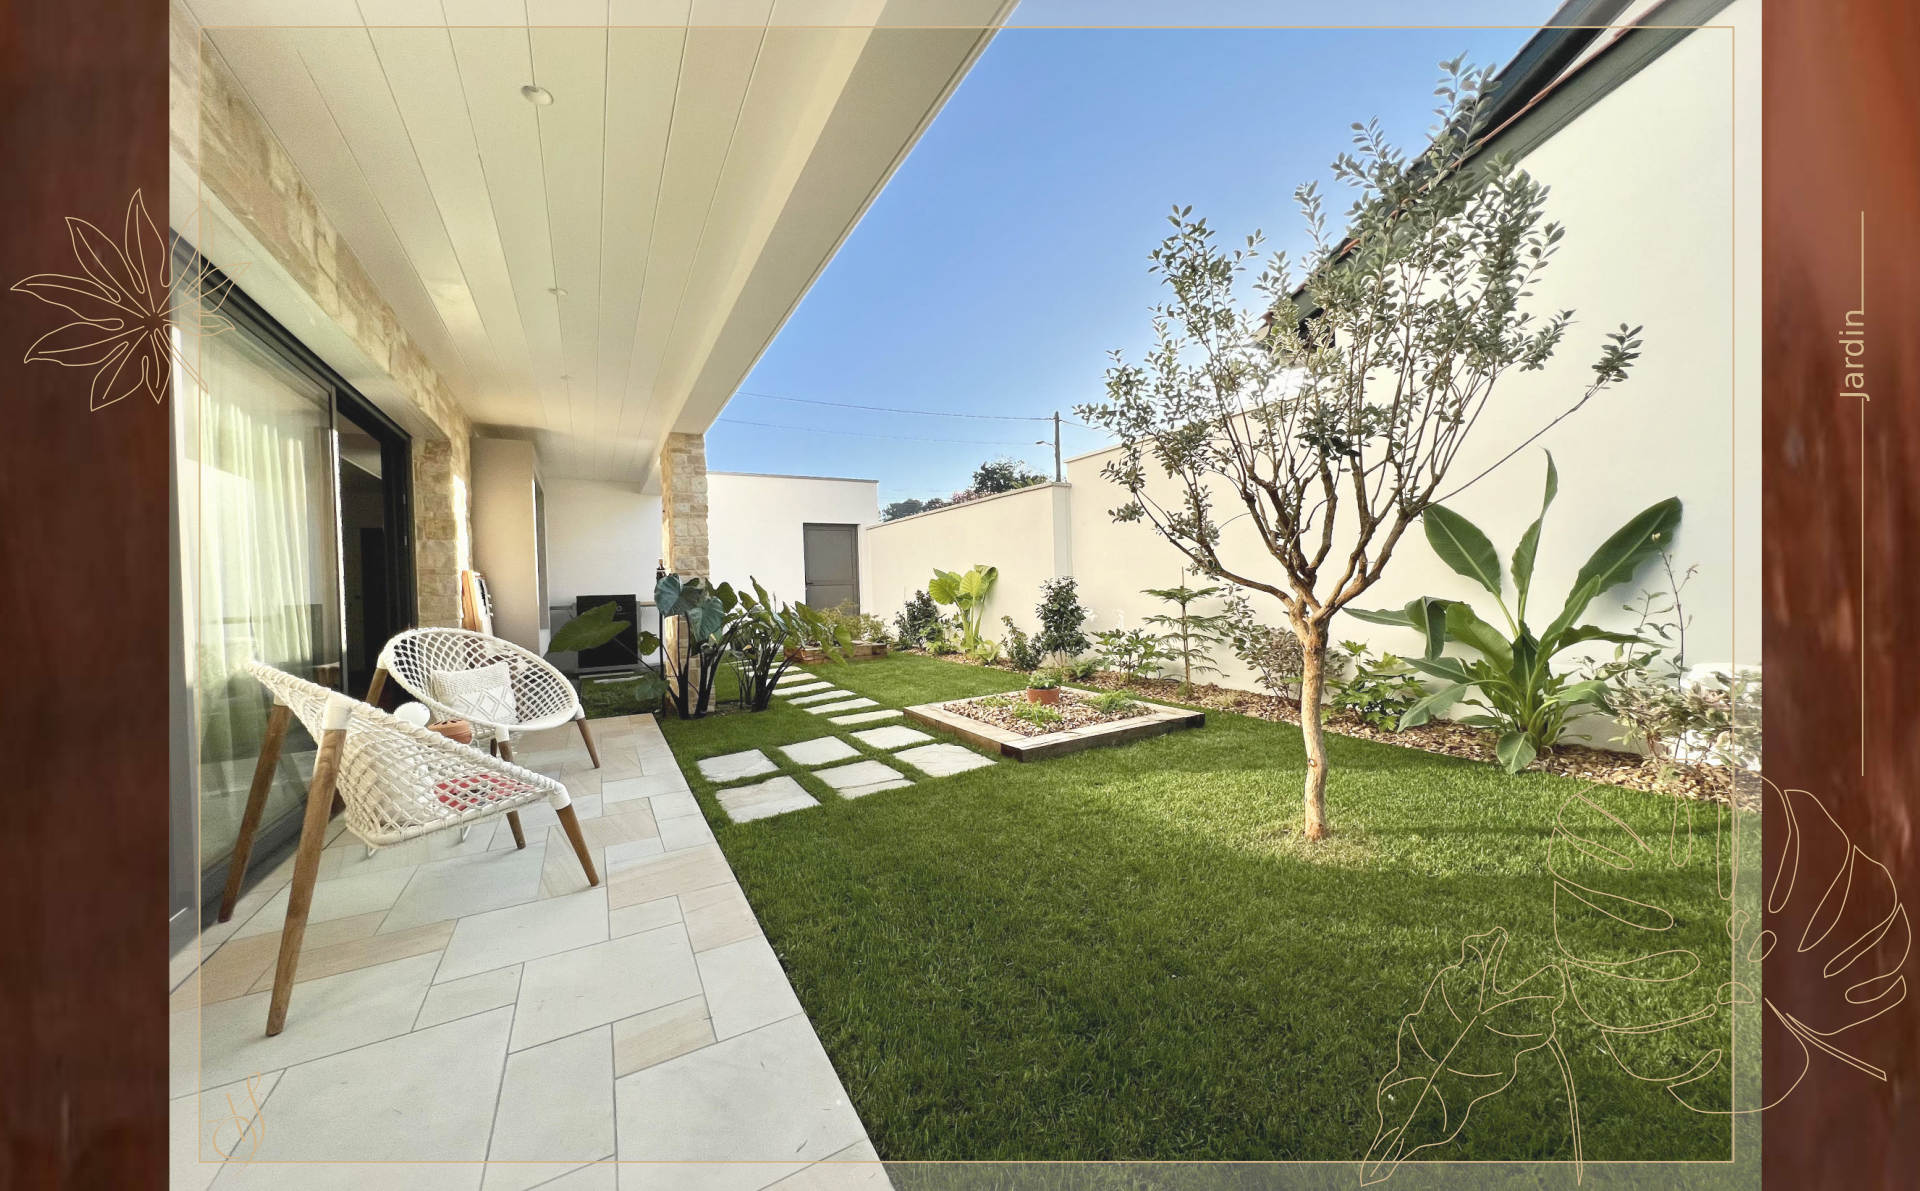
1515, 751
666, 595
1445, 669
1426, 615
1462, 546
1464, 625
976, 583
1523, 554
589, 630
944, 587
1433, 703
1642, 538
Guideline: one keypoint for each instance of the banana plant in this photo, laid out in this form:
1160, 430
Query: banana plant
1513, 678
966, 594
763, 634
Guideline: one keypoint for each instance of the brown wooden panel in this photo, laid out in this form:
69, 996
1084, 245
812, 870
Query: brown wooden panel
1842, 136
83, 615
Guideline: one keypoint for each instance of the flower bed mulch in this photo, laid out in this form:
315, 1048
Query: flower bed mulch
1075, 712
1632, 770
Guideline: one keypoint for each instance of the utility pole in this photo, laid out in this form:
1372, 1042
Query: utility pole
1058, 477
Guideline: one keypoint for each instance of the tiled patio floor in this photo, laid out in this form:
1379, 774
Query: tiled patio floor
474, 1016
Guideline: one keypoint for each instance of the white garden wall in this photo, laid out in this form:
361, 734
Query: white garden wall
1658, 186
754, 526
602, 539
1026, 533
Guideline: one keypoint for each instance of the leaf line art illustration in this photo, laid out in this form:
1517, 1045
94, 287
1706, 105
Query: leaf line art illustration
132, 317
249, 1127
1826, 898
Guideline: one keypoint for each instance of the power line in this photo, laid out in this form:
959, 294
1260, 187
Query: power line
891, 409
976, 442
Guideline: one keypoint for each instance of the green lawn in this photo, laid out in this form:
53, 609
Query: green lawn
1125, 954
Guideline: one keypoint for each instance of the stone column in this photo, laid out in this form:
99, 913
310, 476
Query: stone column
683, 525
683, 505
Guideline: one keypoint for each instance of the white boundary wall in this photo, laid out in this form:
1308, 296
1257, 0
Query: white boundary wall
1658, 187
754, 526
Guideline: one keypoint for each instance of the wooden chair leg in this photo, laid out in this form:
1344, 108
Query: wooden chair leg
588, 737
571, 822
256, 804
306, 869
519, 835
376, 687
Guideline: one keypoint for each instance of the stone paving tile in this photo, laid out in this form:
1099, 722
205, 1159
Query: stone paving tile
798, 676
819, 751
775, 796
846, 705
892, 736
863, 777
940, 760
866, 717
826, 696
802, 688
734, 767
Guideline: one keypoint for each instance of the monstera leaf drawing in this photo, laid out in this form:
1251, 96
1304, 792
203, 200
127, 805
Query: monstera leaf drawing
1464, 1043
1839, 911
1632, 969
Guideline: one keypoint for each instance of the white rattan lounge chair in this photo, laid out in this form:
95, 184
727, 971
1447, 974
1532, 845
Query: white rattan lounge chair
397, 781
498, 687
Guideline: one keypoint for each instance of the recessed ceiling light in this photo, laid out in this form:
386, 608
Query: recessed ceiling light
556, 291
539, 95
566, 376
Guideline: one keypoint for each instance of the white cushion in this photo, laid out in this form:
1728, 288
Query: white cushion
484, 694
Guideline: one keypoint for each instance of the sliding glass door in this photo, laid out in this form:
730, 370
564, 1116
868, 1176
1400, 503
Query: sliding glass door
295, 535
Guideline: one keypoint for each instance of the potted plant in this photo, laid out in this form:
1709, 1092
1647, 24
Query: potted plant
869, 636
1043, 686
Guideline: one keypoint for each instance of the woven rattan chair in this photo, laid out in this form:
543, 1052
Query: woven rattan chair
396, 782
498, 687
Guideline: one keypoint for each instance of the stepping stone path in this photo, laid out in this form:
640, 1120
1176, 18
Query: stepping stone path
862, 778
847, 705
822, 751
793, 676
822, 696
942, 760
801, 688
735, 767
866, 717
763, 799
892, 736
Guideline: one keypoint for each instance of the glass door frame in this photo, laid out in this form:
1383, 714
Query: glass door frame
345, 402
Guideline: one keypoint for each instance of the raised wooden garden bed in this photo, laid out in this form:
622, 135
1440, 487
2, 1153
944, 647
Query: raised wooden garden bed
1157, 720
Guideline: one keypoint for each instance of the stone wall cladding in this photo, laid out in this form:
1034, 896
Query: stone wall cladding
240, 162
683, 504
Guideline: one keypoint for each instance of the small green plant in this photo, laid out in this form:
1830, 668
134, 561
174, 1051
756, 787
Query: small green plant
1519, 693
1040, 715
986, 651
1047, 678
1081, 669
1022, 653
999, 701
1135, 653
1189, 636
965, 592
1377, 691
1113, 703
1274, 655
915, 621
1061, 620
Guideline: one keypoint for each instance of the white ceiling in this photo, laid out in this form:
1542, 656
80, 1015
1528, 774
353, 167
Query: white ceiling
699, 165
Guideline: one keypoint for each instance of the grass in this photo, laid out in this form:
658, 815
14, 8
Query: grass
1128, 953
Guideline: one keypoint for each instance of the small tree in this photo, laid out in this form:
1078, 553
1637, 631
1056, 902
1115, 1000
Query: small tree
1003, 475
1332, 412
1190, 636
1061, 619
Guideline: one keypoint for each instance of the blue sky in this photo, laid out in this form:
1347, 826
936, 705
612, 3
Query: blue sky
1007, 255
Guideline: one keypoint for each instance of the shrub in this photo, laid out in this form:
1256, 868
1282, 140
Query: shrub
1135, 653
985, 652
1379, 691
1061, 618
1113, 702
1274, 655
916, 620
1082, 669
1022, 653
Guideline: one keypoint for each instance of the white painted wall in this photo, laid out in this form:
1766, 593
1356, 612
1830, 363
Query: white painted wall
754, 526
603, 538
1658, 186
505, 536
1026, 533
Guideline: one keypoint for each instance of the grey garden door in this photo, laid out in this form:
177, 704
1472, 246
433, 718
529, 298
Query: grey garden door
833, 565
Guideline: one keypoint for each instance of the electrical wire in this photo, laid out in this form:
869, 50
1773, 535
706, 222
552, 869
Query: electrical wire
892, 409
976, 442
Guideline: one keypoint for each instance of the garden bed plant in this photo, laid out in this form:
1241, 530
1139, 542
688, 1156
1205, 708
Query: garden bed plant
1074, 709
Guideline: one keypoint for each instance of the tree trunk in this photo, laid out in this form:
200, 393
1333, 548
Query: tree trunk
1313, 683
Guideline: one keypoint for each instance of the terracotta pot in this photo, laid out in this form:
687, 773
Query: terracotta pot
1049, 695
459, 730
